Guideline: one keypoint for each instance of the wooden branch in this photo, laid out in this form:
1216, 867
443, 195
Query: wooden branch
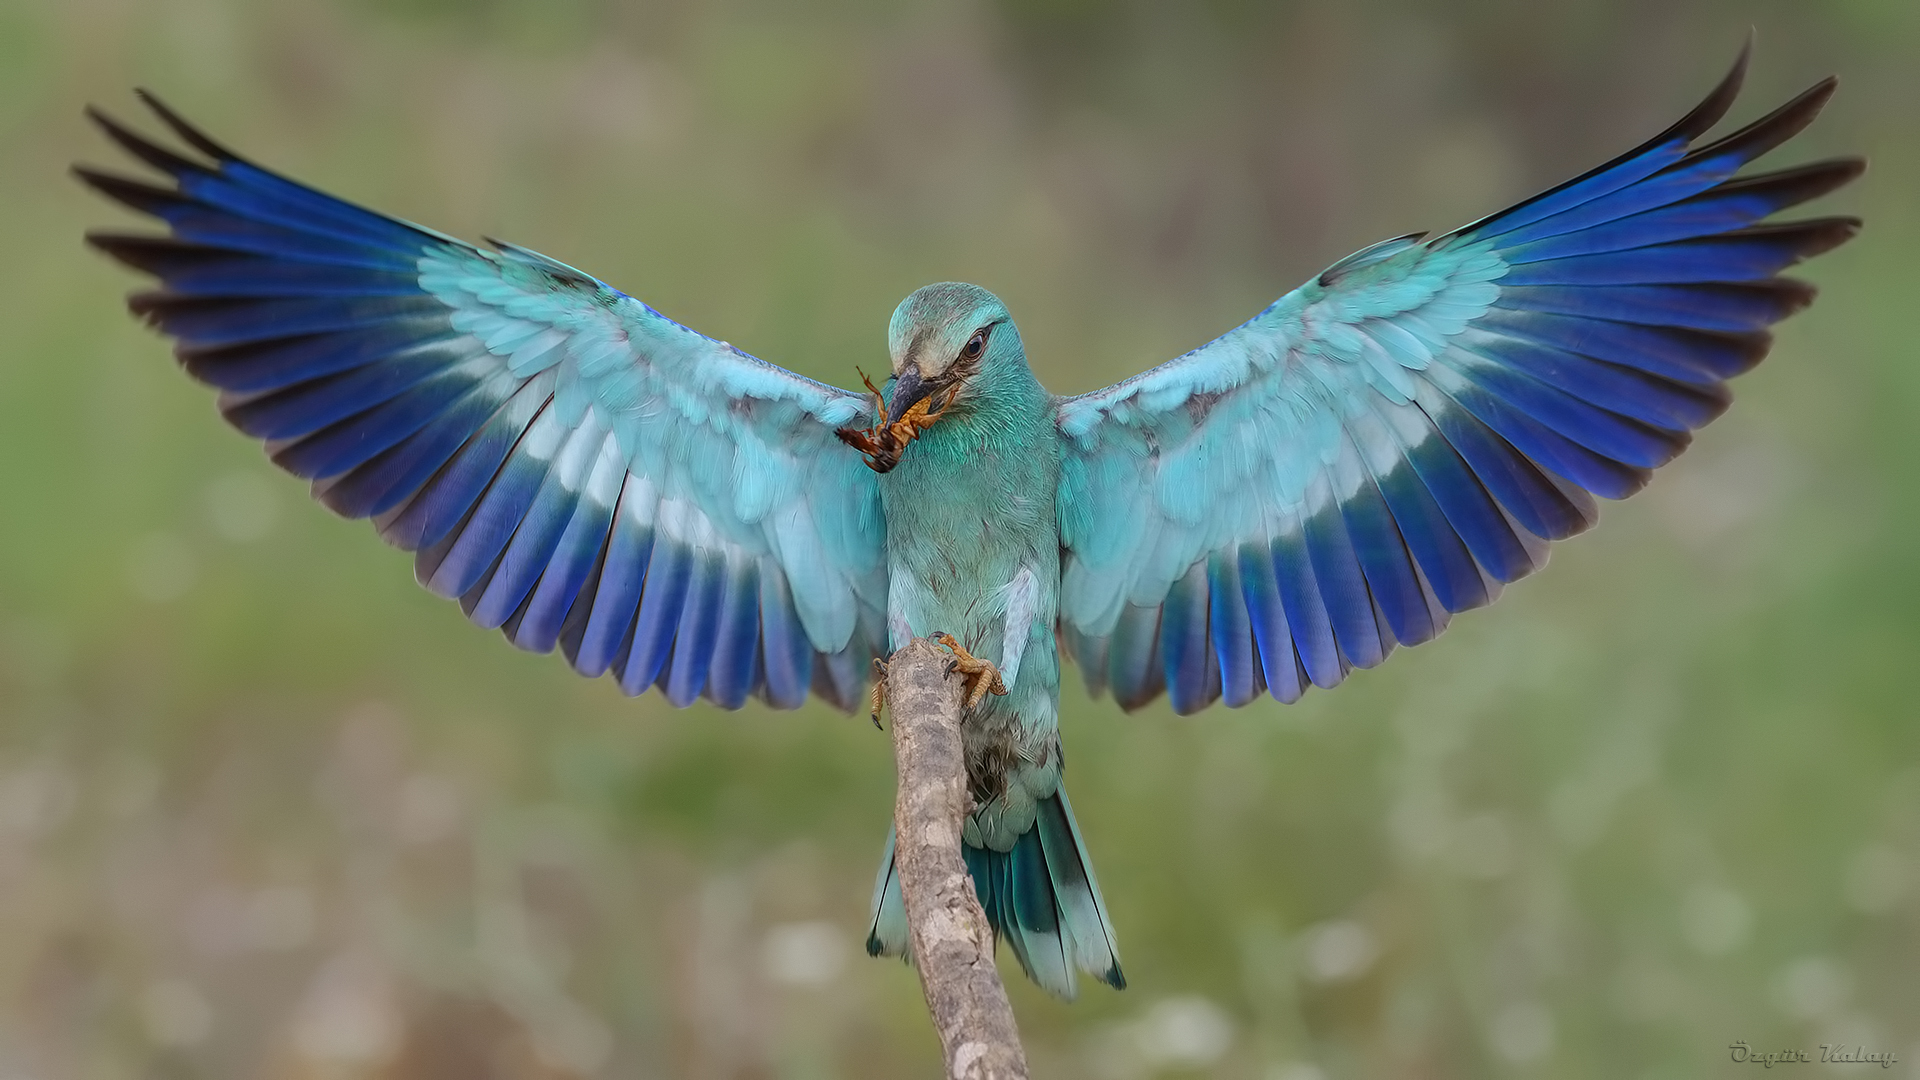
952, 943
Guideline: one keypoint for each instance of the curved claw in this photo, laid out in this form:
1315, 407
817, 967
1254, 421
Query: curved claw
877, 697
983, 677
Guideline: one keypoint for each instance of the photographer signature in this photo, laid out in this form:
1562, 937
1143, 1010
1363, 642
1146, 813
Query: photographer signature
1833, 1053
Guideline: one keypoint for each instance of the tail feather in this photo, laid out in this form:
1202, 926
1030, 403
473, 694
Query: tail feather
888, 934
1041, 898
1082, 911
1025, 913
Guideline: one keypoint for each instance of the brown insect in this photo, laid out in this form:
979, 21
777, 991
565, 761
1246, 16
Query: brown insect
883, 442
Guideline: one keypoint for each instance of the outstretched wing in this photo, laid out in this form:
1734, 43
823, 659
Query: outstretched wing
1392, 441
576, 468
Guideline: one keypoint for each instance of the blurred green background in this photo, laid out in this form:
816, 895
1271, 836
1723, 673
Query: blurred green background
268, 810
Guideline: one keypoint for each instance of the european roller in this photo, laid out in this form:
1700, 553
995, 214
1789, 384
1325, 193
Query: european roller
1379, 449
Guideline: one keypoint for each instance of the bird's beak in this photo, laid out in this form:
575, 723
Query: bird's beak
908, 390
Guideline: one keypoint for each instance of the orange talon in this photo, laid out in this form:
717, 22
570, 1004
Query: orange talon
982, 676
878, 697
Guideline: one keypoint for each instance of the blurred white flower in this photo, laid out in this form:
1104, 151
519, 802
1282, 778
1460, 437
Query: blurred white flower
1522, 1032
1811, 987
1852, 1032
35, 799
1715, 919
429, 809
349, 1015
1187, 1032
804, 953
1340, 950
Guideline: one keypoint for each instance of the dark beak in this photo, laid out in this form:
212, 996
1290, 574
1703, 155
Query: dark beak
908, 390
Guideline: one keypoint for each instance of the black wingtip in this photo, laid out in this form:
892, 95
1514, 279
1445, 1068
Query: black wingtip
141, 147
1768, 132
92, 177
1836, 171
189, 134
105, 243
1688, 128
1715, 105
1821, 235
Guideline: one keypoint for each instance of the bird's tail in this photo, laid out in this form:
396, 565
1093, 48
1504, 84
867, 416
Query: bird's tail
1040, 898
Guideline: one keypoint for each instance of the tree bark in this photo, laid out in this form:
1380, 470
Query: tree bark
952, 943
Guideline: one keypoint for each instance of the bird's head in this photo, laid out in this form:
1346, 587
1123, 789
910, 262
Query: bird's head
941, 340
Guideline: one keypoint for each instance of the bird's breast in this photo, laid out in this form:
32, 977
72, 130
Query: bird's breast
970, 506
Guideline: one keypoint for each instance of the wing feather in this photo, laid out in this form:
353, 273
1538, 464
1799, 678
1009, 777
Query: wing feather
1393, 441
575, 468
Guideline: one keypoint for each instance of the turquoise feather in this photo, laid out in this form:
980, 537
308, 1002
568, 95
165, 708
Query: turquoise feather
1379, 449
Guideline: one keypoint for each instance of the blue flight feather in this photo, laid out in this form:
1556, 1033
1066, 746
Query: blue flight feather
525, 558
354, 440
1459, 396
1543, 507
1183, 643
1609, 434
272, 364
1266, 613
431, 517
1696, 357
730, 674
209, 322
1231, 631
788, 658
1343, 589
1306, 611
430, 384
699, 627
561, 582
1637, 395
1469, 510
398, 474
669, 573
1726, 306
616, 597
1563, 456
307, 407
1383, 558
1436, 548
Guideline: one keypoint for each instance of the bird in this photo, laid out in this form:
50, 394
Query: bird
1378, 450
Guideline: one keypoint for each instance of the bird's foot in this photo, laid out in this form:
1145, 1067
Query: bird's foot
982, 676
878, 696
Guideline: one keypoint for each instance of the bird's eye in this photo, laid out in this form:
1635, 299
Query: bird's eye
975, 344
